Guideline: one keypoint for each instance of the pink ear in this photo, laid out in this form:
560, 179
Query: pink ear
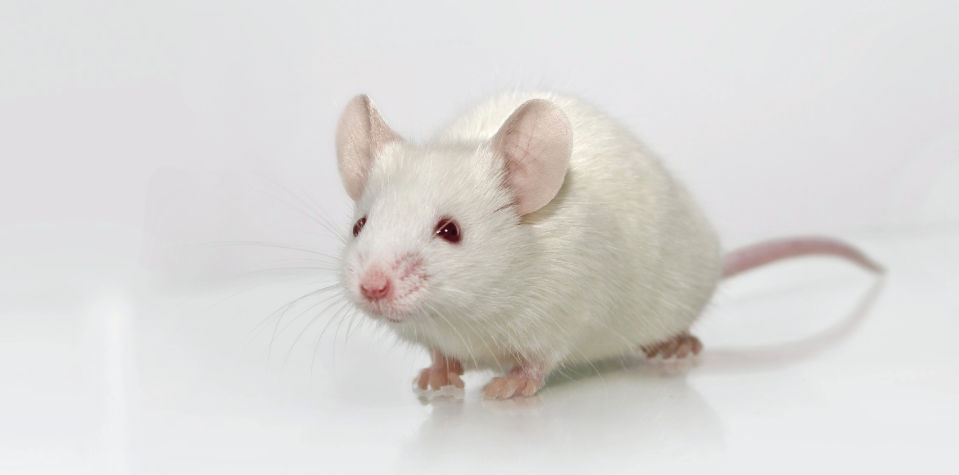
536, 142
360, 135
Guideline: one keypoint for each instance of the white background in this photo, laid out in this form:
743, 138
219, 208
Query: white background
137, 138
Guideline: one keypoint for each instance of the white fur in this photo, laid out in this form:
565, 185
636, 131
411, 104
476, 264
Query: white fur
620, 258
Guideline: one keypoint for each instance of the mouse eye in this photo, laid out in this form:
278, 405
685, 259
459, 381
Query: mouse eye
359, 226
448, 230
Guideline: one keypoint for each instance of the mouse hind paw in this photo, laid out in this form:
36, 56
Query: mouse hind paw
680, 346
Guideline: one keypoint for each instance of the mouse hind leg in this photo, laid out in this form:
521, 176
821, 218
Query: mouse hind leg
680, 346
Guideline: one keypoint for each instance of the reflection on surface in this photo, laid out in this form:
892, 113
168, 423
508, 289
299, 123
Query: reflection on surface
589, 413
165, 383
623, 407
764, 358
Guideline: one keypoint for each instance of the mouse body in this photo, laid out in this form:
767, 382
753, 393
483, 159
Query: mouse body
532, 232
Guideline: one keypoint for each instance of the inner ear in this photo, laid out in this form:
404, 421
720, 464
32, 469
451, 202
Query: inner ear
360, 135
535, 142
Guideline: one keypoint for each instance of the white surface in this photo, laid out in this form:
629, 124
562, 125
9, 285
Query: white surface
133, 134
810, 367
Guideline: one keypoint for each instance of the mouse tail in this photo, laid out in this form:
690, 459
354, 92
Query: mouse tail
750, 257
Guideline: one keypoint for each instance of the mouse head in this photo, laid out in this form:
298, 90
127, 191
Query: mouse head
437, 228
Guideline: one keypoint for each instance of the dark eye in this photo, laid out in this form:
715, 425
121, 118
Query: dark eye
359, 226
448, 230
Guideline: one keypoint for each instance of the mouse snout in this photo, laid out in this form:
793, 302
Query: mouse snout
389, 287
376, 285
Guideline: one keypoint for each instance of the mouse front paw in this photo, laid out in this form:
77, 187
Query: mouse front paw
445, 371
436, 378
513, 385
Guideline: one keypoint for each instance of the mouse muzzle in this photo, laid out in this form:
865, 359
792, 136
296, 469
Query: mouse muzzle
390, 288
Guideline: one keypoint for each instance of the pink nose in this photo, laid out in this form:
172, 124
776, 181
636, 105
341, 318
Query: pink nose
375, 286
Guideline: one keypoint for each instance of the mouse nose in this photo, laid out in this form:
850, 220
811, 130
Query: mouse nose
375, 285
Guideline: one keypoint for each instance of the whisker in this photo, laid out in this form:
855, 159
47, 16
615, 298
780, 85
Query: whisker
269, 245
305, 208
300, 335
292, 303
466, 344
302, 312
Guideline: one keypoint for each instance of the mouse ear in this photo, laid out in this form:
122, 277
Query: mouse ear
360, 135
536, 142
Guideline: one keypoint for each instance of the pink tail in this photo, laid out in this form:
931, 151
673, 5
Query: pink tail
742, 260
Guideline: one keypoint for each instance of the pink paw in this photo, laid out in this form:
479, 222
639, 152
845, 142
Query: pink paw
679, 346
435, 378
505, 387
444, 372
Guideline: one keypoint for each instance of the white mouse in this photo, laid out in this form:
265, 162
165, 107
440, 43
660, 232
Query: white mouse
533, 232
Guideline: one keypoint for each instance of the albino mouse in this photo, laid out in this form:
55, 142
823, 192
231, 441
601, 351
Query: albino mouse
531, 233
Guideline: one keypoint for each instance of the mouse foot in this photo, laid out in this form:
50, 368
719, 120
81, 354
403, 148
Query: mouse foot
680, 346
433, 378
524, 380
444, 372
505, 387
